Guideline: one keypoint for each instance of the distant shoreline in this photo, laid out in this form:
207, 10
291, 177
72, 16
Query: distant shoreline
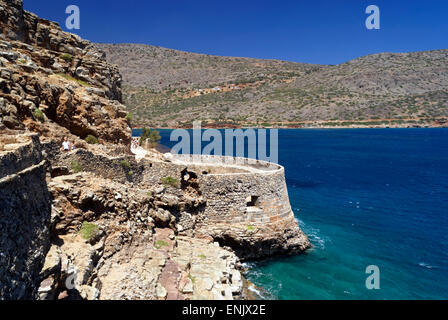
335, 127
437, 122
294, 128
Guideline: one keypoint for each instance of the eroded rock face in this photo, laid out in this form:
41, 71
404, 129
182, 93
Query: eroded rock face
260, 241
111, 238
171, 268
49, 76
134, 252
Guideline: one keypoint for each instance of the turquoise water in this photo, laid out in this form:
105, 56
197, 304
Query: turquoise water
364, 197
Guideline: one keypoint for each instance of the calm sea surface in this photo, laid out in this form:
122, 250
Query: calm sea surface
364, 197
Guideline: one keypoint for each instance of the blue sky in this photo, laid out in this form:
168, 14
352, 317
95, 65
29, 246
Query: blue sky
313, 31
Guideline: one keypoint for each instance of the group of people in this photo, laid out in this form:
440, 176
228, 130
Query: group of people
67, 145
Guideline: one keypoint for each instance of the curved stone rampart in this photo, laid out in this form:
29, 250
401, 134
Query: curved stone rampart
247, 203
242, 203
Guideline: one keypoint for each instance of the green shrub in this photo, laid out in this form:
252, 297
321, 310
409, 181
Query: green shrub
125, 164
170, 182
21, 61
250, 228
202, 256
76, 166
160, 243
38, 114
130, 173
91, 139
88, 230
67, 57
129, 117
70, 78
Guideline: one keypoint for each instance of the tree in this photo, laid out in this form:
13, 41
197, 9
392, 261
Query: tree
152, 136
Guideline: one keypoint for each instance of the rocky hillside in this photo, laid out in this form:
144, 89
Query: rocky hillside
164, 87
55, 83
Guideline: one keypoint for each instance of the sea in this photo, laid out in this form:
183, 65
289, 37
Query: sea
365, 197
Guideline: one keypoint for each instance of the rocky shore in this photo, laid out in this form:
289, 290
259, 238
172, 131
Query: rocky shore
94, 223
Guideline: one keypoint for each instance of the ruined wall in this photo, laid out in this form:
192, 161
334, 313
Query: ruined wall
121, 169
244, 205
24, 216
18, 153
155, 170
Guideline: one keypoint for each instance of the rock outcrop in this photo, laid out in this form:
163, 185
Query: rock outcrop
131, 250
50, 77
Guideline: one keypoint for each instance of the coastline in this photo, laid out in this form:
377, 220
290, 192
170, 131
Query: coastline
302, 128
340, 124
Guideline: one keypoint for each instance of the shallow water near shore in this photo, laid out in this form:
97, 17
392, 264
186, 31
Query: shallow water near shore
364, 197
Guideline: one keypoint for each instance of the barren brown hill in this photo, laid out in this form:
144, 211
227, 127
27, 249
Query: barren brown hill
165, 87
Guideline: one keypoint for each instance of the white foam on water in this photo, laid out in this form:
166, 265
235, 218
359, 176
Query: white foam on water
257, 292
425, 265
313, 234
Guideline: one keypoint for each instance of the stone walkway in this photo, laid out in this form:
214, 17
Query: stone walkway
139, 152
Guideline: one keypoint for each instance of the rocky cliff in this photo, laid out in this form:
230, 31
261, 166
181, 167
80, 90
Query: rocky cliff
51, 79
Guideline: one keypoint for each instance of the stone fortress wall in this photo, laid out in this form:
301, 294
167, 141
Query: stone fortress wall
242, 203
240, 190
24, 215
246, 202
237, 190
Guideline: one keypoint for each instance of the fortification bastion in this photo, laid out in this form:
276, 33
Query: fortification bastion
246, 202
